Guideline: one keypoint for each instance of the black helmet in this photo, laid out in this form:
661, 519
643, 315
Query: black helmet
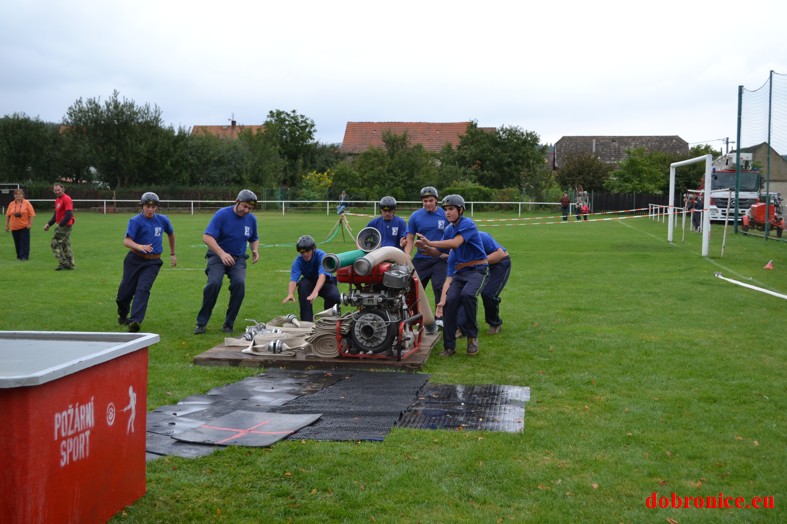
305, 243
428, 191
247, 196
149, 198
388, 202
453, 200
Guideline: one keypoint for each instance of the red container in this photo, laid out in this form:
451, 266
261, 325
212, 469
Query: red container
74, 405
347, 275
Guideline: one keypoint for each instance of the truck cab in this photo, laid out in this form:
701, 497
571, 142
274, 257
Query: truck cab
724, 182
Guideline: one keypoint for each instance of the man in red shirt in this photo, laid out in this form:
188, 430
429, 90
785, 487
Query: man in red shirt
63, 218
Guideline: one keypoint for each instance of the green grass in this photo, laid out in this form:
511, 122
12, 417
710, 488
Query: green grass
647, 374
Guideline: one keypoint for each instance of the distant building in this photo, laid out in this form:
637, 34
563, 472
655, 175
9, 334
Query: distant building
433, 136
778, 166
229, 132
612, 149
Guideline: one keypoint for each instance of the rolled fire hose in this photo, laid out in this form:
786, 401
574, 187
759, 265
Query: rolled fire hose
364, 265
325, 345
323, 341
270, 344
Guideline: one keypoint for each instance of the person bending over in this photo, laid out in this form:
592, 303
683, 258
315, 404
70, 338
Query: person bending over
466, 272
310, 279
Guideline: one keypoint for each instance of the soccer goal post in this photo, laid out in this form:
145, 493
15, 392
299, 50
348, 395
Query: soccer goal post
708, 159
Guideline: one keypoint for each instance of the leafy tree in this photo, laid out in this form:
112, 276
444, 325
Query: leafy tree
641, 172
293, 135
505, 157
315, 185
264, 166
541, 185
323, 157
209, 160
584, 170
345, 178
29, 149
119, 139
691, 176
399, 168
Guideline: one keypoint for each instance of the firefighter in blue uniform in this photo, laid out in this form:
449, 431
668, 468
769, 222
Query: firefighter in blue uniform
143, 261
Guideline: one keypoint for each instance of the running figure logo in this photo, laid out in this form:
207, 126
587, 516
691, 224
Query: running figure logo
132, 406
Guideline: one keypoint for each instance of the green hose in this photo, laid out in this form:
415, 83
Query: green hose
334, 261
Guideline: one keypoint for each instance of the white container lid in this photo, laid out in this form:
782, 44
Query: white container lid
32, 358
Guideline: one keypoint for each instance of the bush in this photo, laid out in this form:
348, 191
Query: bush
471, 192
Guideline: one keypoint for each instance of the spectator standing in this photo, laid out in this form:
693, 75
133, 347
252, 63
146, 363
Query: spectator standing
344, 203
393, 229
585, 211
19, 221
143, 261
311, 279
63, 219
696, 213
230, 230
565, 204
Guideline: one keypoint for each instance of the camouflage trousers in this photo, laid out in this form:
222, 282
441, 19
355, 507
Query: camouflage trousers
61, 246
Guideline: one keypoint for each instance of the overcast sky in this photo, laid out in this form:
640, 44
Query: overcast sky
556, 68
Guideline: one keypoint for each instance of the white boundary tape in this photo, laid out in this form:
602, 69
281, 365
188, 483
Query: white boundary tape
553, 219
755, 288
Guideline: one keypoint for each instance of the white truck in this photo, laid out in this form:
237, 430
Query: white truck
723, 186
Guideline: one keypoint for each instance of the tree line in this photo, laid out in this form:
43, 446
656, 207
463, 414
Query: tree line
118, 145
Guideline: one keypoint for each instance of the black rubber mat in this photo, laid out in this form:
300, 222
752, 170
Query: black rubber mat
355, 405
158, 445
257, 394
363, 406
484, 407
247, 428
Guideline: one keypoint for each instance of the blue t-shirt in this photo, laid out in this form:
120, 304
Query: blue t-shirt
490, 244
429, 225
149, 230
311, 269
471, 249
232, 232
391, 231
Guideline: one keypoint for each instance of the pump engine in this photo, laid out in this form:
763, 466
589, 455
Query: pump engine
388, 321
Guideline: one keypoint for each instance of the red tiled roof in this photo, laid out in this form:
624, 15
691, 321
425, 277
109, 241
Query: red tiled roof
360, 136
230, 131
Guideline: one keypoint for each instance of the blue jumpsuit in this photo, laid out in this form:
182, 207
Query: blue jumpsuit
141, 269
466, 281
429, 268
306, 275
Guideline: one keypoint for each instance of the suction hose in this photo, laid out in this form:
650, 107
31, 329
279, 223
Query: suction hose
363, 266
333, 261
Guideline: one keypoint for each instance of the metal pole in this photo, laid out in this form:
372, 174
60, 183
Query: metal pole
706, 206
683, 237
768, 168
726, 221
738, 156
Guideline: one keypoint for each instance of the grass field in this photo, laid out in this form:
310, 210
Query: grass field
647, 374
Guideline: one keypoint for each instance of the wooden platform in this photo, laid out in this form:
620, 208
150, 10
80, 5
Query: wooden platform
222, 355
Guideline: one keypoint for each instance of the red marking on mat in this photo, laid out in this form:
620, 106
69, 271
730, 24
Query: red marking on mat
243, 432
